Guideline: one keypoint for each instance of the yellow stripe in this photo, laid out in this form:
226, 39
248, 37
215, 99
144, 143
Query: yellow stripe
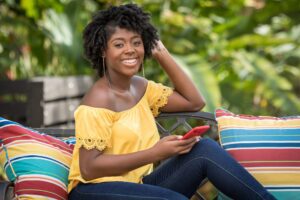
23, 149
265, 123
278, 178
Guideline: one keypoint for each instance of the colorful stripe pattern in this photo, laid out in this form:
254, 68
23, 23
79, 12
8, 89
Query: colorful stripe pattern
37, 163
268, 147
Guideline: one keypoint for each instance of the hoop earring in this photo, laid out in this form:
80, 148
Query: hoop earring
104, 72
143, 70
103, 65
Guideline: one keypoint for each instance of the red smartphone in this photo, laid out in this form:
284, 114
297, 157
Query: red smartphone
196, 131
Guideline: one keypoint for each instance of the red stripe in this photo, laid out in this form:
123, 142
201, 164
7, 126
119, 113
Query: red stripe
46, 189
12, 133
266, 154
272, 164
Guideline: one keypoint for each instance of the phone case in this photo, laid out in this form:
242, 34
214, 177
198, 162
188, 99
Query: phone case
196, 131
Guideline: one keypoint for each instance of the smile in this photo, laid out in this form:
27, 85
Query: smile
130, 61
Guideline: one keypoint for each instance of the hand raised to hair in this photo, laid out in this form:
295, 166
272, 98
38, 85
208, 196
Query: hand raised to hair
158, 49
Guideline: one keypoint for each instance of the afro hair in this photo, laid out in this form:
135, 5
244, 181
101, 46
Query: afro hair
97, 33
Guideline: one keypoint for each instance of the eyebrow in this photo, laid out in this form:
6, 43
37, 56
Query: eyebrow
120, 38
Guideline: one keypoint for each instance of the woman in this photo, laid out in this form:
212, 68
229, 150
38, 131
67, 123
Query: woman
117, 139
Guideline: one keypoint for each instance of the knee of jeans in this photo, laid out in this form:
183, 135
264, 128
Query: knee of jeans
206, 143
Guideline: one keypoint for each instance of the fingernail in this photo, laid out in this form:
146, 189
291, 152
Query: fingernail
179, 137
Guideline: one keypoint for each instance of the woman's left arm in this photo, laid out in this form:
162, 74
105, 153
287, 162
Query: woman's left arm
186, 96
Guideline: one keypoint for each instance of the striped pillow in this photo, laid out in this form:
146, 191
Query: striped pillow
38, 164
268, 147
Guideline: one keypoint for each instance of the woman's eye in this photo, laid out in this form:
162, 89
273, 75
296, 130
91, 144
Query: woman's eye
137, 43
119, 45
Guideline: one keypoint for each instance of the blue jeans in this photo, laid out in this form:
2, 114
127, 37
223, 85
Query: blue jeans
179, 177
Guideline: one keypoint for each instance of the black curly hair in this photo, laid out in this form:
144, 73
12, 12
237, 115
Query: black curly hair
103, 25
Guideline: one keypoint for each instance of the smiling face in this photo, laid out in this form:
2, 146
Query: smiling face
125, 53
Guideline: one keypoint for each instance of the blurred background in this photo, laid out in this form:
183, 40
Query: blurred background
244, 55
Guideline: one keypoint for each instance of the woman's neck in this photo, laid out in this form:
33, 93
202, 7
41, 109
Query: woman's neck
120, 85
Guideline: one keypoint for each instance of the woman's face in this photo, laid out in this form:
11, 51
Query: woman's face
125, 52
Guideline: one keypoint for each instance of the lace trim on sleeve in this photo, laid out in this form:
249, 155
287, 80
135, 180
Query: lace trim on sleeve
89, 143
162, 101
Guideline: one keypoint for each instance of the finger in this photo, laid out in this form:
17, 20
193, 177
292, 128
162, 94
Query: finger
185, 151
172, 137
189, 141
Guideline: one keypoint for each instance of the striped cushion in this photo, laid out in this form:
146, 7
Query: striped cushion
268, 147
37, 163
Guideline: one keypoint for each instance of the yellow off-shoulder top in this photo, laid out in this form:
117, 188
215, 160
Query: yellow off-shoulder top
122, 132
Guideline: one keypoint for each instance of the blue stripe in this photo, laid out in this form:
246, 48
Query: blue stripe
39, 167
37, 157
6, 122
275, 145
283, 195
273, 132
71, 140
286, 195
260, 138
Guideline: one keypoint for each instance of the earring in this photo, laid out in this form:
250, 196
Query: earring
143, 70
103, 65
107, 78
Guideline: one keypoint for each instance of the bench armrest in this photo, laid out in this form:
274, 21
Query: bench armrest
185, 120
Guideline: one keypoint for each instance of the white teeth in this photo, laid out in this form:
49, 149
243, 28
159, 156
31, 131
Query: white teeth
130, 61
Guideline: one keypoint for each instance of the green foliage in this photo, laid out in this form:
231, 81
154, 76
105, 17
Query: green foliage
243, 55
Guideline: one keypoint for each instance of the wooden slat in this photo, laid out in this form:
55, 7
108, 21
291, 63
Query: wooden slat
12, 87
15, 109
64, 87
60, 111
34, 111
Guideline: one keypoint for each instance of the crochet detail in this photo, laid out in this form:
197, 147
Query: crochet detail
89, 143
162, 101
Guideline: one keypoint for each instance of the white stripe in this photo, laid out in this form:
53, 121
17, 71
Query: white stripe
31, 196
288, 168
281, 186
260, 118
242, 127
273, 172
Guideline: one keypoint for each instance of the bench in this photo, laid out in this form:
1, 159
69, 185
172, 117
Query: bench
167, 123
43, 101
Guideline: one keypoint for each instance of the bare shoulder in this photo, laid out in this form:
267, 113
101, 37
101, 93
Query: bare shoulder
140, 84
97, 96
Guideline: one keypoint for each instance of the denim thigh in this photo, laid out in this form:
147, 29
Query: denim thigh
123, 191
184, 173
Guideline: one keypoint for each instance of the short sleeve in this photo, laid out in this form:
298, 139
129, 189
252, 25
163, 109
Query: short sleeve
93, 127
157, 96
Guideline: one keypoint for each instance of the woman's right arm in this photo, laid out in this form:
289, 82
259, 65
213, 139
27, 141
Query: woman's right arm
94, 164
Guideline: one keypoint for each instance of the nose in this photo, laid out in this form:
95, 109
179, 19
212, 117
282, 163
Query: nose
129, 49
